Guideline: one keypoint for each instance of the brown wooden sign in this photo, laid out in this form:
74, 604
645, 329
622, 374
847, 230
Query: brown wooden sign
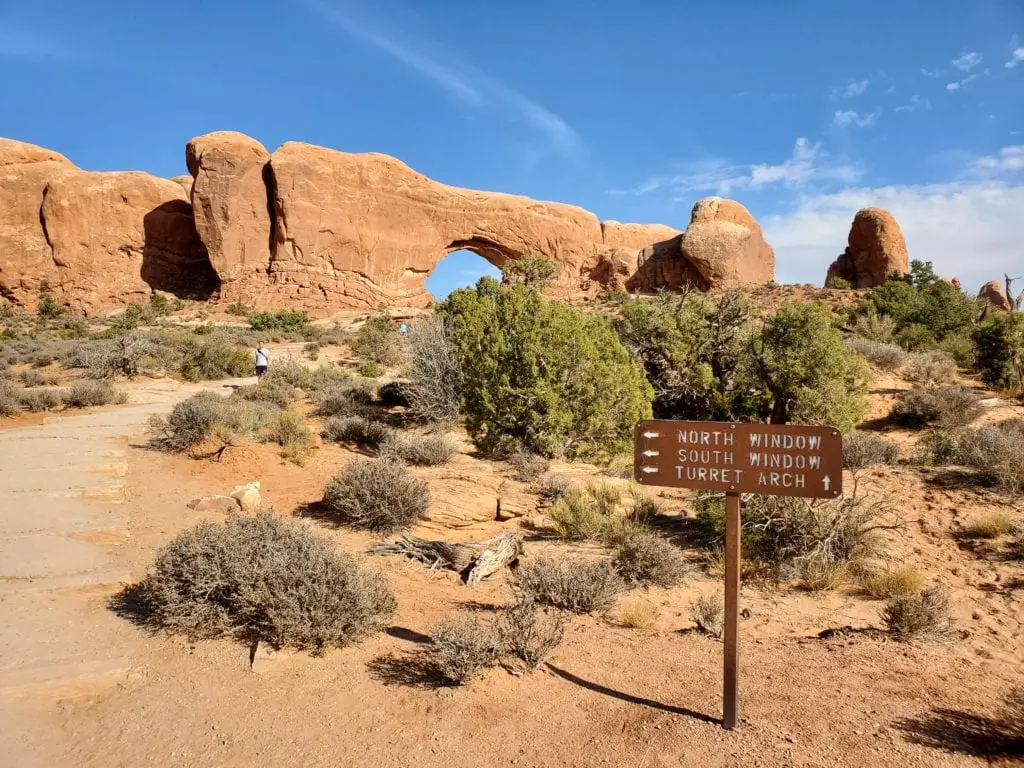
773, 459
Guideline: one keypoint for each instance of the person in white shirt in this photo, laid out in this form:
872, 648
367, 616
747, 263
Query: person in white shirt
262, 360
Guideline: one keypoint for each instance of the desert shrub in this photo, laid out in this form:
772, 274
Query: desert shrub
552, 486
356, 429
264, 579
8, 399
887, 357
693, 348
285, 321
884, 583
89, 393
708, 613
819, 575
313, 380
528, 633
377, 494
872, 326
930, 368
990, 526
125, 356
33, 378
161, 306
463, 646
637, 614
924, 308
48, 307
312, 350
133, 316
527, 467
960, 346
864, 449
530, 272
996, 451
542, 377
923, 614
942, 406
839, 283
369, 369
1017, 541
290, 431
345, 399
37, 400
190, 422
434, 373
421, 450
646, 558
587, 513
212, 358
810, 375
393, 394
238, 309
378, 340
999, 345
267, 390
577, 584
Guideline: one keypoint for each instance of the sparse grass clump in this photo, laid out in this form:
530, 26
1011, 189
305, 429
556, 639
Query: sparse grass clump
587, 513
637, 614
421, 450
575, 584
263, 579
349, 399
357, 430
708, 613
646, 558
290, 431
930, 369
311, 380
90, 393
920, 615
377, 494
275, 391
887, 357
944, 407
463, 646
864, 449
990, 526
34, 378
885, 583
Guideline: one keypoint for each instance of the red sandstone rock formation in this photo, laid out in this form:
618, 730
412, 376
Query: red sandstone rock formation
723, 245
321, 229
992, 292
876, 251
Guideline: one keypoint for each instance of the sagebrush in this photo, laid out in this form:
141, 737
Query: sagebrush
380, 495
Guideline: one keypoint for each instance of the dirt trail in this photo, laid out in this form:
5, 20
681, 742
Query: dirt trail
62, 484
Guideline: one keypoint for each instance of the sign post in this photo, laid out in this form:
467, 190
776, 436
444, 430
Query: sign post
735, 458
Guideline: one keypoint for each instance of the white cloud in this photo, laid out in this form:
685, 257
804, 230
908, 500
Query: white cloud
461, 80
851, 89
849, 117
1007, 160
809, 164
956, 86
934, 74
971, 230
952, 87
1016, 53
967, 62
916, 103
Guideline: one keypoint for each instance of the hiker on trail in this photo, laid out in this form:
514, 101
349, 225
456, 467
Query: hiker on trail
403, 329
262, 361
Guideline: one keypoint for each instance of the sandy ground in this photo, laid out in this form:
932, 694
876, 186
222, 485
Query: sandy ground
86, 503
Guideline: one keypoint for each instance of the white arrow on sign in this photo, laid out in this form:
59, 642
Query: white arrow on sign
652, 434
826, 481
649, 470
652, 453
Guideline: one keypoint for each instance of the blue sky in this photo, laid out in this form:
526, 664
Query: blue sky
803, 110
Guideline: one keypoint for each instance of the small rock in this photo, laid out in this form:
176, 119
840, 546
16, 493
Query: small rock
219, 504
746, 613
248, 497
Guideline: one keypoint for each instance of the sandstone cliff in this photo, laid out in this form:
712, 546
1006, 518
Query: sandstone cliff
312, 227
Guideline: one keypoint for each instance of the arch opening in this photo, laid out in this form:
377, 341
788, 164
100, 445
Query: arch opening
459, 268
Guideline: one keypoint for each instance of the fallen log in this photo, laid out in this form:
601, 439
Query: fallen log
473, 560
